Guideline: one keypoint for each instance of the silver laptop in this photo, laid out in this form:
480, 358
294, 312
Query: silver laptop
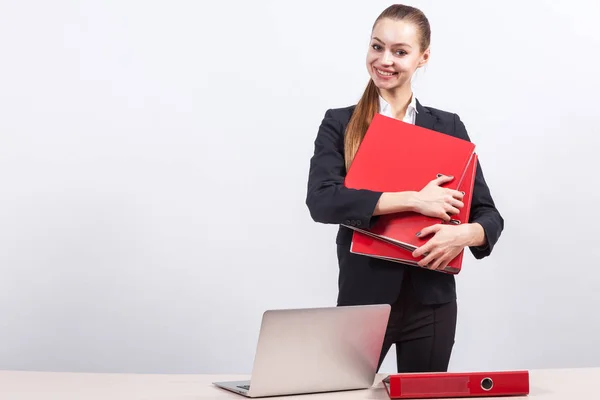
315, 350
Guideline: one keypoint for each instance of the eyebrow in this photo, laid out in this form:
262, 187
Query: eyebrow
396, 44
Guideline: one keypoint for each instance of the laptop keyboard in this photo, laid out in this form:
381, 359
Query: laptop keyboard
247, 387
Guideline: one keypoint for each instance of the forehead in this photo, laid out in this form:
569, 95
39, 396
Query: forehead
396, 31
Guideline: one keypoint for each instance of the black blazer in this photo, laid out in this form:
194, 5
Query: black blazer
367, 280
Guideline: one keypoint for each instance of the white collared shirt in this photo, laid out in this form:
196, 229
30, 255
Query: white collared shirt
411, 110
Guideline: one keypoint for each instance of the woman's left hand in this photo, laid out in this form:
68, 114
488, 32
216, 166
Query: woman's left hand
447, 242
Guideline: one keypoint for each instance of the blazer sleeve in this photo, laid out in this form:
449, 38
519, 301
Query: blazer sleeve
327, 199
483, 209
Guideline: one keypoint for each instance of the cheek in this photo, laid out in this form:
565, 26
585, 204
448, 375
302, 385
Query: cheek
371, 57
407, 64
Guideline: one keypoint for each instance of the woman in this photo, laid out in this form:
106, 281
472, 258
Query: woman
424, 311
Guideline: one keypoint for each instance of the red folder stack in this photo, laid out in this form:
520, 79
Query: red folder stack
457, 384
395, 156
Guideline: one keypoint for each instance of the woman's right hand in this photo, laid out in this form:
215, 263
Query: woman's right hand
438, 202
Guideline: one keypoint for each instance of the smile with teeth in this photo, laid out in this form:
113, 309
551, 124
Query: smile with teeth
384, 73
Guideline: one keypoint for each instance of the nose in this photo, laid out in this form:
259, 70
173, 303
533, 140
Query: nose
386, 58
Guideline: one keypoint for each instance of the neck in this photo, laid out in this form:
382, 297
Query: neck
398, 99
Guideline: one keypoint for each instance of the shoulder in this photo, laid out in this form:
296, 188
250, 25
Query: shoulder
445, 117
332, 128
334, 123
340, 115
445, 120
440, 115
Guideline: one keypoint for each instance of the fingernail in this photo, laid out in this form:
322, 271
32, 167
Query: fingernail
418, 234
463, 193
426, 253
439, 175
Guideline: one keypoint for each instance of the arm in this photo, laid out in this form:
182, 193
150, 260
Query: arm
485, 222
396, 202
328, 200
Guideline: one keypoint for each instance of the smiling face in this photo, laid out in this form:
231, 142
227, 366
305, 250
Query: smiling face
394, 54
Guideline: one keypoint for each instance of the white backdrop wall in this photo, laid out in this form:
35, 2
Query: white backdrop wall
153, 166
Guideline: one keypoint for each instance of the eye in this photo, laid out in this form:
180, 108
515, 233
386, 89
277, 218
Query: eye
401, 53
376, 47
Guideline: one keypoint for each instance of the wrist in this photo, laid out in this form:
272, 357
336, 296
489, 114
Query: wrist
474, 234
408, 201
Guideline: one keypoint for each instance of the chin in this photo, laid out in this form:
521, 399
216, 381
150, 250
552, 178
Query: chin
385, 84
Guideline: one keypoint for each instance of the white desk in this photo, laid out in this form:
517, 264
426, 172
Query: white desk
563, 384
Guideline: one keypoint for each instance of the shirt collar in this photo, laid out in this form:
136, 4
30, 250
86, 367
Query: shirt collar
384, 107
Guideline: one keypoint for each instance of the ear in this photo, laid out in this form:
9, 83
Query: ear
424, 58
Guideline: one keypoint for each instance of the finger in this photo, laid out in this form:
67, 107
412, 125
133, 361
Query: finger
441, 179
438, 262
429, 230
456, 194
451, 210
448, 199
444, 216
425, 262
429, 260
457, 203
424, 250
448, 257
443, 264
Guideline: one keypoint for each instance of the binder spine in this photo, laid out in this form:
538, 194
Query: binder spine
472, 155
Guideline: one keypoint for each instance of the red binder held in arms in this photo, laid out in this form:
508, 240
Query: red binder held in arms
457, 384
396, 156
374, 243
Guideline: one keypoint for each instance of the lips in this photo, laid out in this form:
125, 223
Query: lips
384, 73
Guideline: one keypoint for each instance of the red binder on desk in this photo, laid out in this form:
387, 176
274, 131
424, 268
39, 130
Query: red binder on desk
457, 384
381, 241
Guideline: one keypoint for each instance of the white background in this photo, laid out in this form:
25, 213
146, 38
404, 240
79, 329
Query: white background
154, 158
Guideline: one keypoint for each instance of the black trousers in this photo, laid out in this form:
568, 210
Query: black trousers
423, 334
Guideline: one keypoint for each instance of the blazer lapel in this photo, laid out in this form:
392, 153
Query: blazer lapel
424, 117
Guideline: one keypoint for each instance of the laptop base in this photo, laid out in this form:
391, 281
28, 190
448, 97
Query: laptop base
239, 387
